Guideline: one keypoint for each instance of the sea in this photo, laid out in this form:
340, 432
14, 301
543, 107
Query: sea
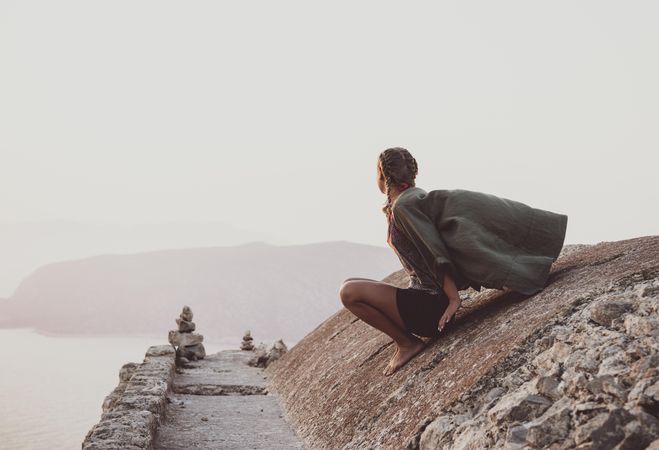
52, 386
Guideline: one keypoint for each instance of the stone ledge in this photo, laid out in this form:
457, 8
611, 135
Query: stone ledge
133, 411
213, 389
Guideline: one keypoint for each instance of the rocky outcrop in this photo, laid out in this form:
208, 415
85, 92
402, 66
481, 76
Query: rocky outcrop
264, 356
590, 382
133, 411
573, 366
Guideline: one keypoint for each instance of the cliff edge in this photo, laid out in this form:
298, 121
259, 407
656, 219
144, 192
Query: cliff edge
573, 366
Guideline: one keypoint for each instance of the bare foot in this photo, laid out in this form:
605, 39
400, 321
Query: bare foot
391, 362
403, 355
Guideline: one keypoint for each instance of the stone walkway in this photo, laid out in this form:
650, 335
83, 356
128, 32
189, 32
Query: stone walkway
220, 402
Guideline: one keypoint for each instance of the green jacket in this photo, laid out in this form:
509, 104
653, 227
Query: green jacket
481, 239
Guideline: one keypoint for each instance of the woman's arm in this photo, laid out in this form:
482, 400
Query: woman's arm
423, 234
453, 301
419, 229
450, 289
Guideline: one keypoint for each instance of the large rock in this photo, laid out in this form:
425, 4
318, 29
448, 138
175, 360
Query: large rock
263, 356
192, 352
177, 338
604, 313
552, 426
519, 406
336, 396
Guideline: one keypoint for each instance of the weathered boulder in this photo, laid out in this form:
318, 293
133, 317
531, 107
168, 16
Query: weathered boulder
519, 406
604, 313
557, 367
548, 386
191, 352
552, 426
263, 356
277, 350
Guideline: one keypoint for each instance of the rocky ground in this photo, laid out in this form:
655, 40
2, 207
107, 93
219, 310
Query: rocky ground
573, 366
590, 381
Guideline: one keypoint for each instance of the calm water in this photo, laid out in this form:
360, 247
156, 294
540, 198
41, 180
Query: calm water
52, 388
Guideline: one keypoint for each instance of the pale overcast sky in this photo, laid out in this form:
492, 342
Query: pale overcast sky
270, 115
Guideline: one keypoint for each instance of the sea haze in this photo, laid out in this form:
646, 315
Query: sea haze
274, 291
52, 388
24, 246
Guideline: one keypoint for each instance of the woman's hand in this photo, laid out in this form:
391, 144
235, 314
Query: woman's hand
453, 305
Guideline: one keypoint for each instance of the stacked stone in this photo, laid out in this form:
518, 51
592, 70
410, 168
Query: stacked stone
187, 344
247, 344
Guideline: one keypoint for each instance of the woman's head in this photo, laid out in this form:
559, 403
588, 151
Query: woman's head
396, 169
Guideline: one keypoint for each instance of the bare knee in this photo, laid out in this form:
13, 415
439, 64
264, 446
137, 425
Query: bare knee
358, 278
348, 292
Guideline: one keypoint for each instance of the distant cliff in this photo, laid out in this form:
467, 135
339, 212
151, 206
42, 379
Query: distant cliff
573, 366
278, 291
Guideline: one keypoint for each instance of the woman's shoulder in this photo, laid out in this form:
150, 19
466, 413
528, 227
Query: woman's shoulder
418, 198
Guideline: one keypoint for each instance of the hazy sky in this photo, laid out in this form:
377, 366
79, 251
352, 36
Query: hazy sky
270, 115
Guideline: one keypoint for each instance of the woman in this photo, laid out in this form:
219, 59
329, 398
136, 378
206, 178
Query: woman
448, 240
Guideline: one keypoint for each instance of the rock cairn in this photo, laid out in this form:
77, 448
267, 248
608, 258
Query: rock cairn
247, 344
187, 344
263, 356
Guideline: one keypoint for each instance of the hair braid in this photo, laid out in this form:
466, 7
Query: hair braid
398, 168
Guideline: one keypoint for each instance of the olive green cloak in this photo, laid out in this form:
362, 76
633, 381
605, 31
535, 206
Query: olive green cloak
481, 240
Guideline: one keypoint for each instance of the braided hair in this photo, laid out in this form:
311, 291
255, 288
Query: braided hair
399, 168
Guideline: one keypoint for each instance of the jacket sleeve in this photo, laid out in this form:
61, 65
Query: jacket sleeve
421, 231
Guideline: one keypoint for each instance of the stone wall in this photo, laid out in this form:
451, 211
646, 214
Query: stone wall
133, 411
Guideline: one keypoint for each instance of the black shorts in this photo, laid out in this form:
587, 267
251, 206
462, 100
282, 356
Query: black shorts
421, 310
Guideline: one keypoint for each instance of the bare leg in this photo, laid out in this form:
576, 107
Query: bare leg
374, 302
